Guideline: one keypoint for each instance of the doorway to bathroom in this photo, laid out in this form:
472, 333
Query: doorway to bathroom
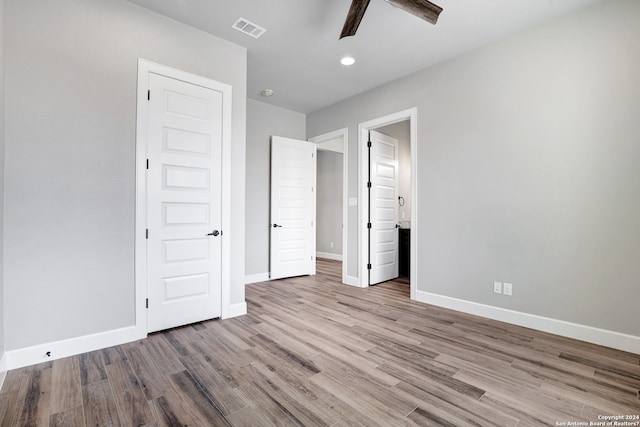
387, 187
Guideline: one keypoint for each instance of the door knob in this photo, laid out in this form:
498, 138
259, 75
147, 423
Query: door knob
214, 233
276, 226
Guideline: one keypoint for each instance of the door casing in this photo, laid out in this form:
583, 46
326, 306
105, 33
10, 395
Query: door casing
145, 68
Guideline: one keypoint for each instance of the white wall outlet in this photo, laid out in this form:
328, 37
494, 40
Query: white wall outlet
331, 244
508, 288
497, 287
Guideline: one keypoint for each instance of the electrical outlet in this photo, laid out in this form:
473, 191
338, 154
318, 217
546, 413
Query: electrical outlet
508, 288
331, 244
497, 287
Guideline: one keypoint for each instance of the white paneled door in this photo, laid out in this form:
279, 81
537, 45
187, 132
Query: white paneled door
383, 208
183, 203
293, 207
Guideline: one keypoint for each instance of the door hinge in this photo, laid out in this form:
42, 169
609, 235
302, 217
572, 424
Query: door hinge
368, 225
312, 189
368, 266
146, 303
368, 144
149, 95
147, 164
146, 233
369, 184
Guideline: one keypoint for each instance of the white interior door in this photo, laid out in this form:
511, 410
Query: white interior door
383, 208
293, 207
183, 203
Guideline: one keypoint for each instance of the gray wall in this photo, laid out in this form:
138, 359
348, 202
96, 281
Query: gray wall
263, 121
2, 306
329, 202
71, 70
527, 168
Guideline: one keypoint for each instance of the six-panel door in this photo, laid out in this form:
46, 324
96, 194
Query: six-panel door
383, 235
183, 203
293, 207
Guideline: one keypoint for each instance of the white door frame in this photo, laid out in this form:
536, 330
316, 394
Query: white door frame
344, 134
145, 68
410, 114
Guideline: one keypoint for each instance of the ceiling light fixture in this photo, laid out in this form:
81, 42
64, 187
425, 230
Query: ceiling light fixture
347, 60
267, 92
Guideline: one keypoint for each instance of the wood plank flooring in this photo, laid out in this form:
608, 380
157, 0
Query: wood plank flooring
313, 352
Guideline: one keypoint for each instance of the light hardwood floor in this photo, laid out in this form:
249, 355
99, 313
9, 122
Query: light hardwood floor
314, 352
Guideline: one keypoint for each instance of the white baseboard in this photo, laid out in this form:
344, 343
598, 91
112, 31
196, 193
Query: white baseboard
590, 334
15, 359
3, 369
69, 347
239, 309
255, 278
327, 255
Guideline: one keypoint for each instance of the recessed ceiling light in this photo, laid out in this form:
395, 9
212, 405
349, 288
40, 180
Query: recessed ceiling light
266, 92
347, 60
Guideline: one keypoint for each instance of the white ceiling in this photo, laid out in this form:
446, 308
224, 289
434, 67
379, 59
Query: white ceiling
298, 57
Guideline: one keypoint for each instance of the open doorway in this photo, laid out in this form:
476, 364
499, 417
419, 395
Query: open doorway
397, 210
331, 240
329, 201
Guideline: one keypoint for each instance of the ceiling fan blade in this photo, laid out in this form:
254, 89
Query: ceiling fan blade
356, 12
423, 9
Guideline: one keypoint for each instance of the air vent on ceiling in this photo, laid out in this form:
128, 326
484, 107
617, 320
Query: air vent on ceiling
249, 28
